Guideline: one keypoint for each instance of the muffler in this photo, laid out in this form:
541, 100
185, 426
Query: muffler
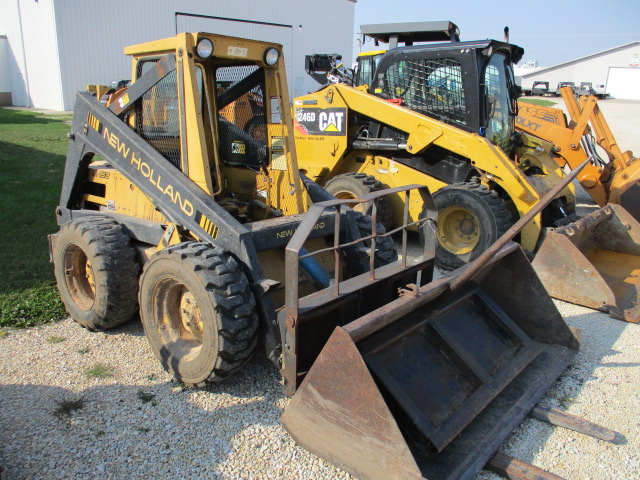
595, 262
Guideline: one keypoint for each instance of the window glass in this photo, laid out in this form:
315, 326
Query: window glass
498, 80
158, 116
430, 86
242, 125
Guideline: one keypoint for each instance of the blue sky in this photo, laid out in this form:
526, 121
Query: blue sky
551, 32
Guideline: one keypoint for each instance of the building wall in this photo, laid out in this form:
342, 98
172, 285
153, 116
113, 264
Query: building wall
5, 78
33, 64
91, 36
624, 82
593, 69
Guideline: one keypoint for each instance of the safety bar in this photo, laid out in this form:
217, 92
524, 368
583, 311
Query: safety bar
340, 207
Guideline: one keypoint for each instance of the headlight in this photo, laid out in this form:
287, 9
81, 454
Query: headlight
204, 49
271, 56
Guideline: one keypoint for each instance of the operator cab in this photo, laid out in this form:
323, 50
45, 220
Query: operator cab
220, 92
366, 66
442, 80
468, 84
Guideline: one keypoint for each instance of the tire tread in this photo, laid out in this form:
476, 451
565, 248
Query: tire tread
222, 277
115, 258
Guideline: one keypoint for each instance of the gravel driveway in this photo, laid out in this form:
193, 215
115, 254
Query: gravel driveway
139, 423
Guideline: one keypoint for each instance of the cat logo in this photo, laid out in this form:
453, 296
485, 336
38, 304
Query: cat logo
330, 122
321, 121
238, 147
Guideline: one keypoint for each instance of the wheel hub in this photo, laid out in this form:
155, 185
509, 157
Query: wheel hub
358, 207
458, 230
467, 226
190, 314
79, 277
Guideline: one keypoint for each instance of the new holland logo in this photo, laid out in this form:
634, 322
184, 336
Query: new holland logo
321, 121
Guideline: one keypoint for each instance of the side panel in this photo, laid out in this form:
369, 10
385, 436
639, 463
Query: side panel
323, 156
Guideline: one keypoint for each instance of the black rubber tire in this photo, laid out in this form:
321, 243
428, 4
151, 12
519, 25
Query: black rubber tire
492, 219
113, 270
385, 246
354, 185
225, 312
257, 128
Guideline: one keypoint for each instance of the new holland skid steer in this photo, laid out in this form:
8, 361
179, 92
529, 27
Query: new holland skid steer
170, 209
595, 262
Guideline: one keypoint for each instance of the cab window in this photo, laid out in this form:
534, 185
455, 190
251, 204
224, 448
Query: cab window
242, 127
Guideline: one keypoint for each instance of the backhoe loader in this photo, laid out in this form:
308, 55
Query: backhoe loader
596, 261
438, 114
169, 209
614, 179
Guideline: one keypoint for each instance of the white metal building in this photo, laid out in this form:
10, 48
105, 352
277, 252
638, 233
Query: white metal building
56, 47
616, 68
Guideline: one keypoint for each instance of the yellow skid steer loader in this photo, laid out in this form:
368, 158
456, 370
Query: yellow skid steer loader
410, 115
409, 377
439, 114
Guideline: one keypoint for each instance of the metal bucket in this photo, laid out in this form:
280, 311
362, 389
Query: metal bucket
595, 262
430, 385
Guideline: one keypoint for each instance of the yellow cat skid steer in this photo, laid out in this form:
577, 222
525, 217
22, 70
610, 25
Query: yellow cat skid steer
171, 210
439, 114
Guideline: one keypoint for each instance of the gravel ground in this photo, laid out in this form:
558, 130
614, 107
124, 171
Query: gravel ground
139, 423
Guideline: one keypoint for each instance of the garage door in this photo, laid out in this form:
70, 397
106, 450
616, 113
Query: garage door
624, 83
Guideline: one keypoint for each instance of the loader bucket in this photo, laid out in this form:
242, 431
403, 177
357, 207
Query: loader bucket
430, 385
595, 262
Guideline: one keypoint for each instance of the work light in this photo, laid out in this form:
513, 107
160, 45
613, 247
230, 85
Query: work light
271, 56
204, 49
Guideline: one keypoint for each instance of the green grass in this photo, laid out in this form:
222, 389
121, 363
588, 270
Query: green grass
54, 339
537, 101
98, 371
32, 155
67, 407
